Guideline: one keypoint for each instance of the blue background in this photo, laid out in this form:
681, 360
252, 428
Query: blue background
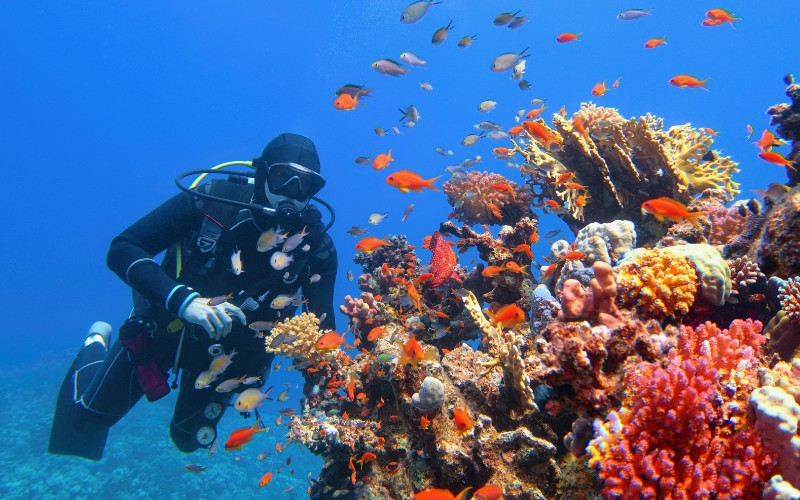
102, 104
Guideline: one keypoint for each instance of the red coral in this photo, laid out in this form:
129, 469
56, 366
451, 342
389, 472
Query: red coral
682, 432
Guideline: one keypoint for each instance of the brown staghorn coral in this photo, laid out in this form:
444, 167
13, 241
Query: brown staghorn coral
623, 163
481, 197
657, 284
744, 274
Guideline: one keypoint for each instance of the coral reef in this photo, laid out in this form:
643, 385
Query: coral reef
786, 118
295, 337
616, 164
655, 283
778, 250
744, 274
789, 296
487, 198
606, 242
681, 431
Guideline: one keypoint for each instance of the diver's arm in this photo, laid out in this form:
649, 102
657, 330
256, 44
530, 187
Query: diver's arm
131, 253
320, 294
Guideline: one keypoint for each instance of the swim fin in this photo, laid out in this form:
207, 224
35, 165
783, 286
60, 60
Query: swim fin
65, 438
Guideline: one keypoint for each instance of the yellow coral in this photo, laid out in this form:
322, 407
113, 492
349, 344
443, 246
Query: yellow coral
686, 149
656, 283
305, 328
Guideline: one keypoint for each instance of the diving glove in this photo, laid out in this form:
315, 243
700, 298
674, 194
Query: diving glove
216, 320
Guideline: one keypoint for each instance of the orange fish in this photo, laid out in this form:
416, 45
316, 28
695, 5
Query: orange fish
488, 492
568, 37
440, 494
515, 268
573, 255
723, 16
550, 270
710, 131
329, 341
766, 141
414, 295
375, 333
776, 159
425, 277
654, 42
670, 209
412, 352
367, 457
382, 160
563, 110
542, 134
749, 129
495, 210
524, 248
514, 131
552, 203
578, 125
461, 420
266, 478
580, 201
352, 468
575, 185
684, 81
370, 244
534, 113
599, 89
241, 437
351, 389
616, 84
561, 179
492, 271
534, 237
424, 423
507, 316
406, 181
347, 102
502, 151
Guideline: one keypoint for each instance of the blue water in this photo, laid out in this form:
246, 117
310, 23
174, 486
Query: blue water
104, 103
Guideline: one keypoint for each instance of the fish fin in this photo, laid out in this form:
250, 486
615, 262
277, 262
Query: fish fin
464, 494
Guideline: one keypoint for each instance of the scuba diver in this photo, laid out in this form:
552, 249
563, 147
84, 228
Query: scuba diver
225, 265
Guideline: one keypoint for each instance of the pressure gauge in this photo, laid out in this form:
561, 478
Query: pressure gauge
206, 435
212, 411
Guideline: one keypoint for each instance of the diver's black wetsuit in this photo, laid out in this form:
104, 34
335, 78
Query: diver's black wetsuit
109, 390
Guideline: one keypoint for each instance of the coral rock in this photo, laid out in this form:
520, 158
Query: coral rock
430, 396
656, 283
606, 242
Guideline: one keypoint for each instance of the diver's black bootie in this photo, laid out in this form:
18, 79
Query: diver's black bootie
65, 439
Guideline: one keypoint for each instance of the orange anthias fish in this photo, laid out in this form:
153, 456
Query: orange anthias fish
684, 81
492, 271
440, 494
406, 181
488, 492
461, 420
723, 16
347, 102
573, 255
382, 160
578, 125
667, 208
241, 437
524, 248
542, 134
424, 422
776, 159
443, 260
599, 89
515, 268
766, 141
516, 130
329, 341
534, 113
412, 351
266, 478
375, 333
507, 316
370, 244
654, 42
568, 37
712, 22
414, 295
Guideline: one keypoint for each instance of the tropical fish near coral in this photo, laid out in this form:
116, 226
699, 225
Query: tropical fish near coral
667, 208
462, 420
406, 181
249, 400
488, 492
443, 260
413, 353
441, 494
684, 81
415, 11
369, 244
346, 102
329, 341
507, 316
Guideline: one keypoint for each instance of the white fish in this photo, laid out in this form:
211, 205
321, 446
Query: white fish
314, 278
407, 212
229, 384
389, 67
294, 240
498, 134
221, 363
305, 247
376, 218
415, 11
486, 106
488, 126
236, 262
280, 260
251, 380
505, 62
204, 379
411, 59
322, 318
471, 162
281, 301
427, 87
471, 139
396, 130
250, 399
410, 115
269, 239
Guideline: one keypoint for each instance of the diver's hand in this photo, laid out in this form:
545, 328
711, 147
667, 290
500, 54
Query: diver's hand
217, 320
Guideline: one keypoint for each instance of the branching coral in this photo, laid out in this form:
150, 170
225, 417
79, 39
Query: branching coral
657, 284
790, 298
488, 198
744, 274
682, 432
304, 331
623, 163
